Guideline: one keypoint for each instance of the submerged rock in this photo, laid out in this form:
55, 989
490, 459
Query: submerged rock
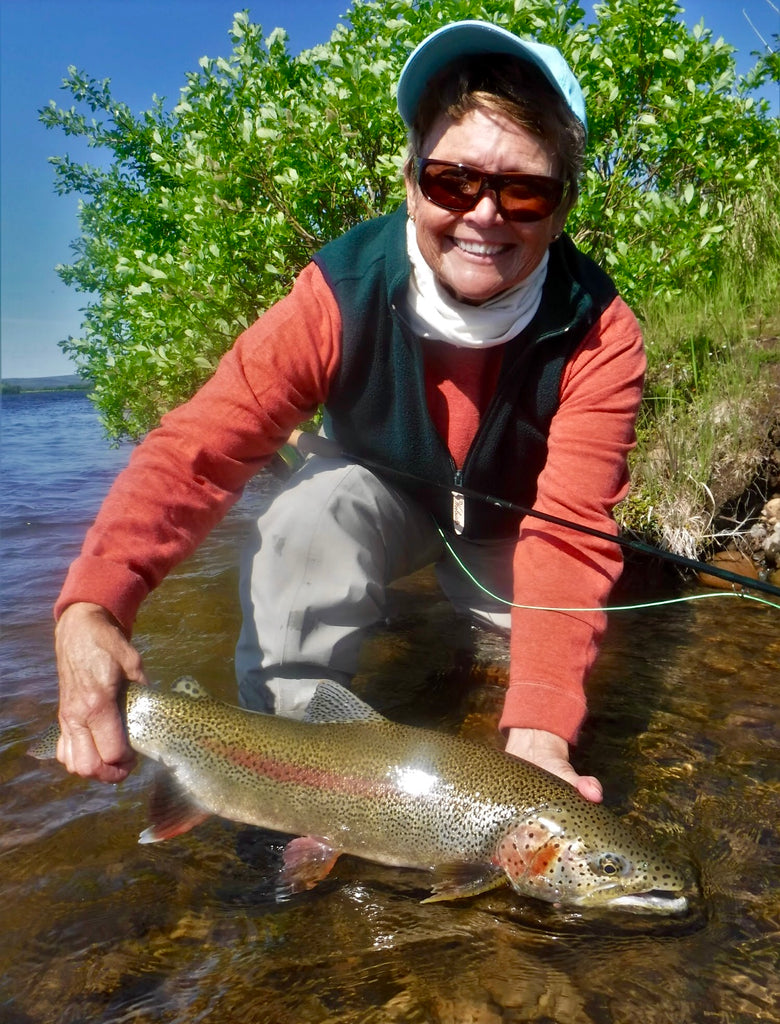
733, 561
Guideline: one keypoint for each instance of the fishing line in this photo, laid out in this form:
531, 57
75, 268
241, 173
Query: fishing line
610, 608
306, 444
640, 546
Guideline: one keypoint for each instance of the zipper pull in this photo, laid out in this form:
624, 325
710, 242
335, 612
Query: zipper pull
458, 508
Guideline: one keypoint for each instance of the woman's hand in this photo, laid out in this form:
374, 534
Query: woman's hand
549, 751
94, 659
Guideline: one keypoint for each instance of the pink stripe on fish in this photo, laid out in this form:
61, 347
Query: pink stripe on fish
301, 775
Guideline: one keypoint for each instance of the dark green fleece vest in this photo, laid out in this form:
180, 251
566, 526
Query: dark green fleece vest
377, 408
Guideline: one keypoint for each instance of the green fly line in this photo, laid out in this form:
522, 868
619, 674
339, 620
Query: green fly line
611, 608
634, 545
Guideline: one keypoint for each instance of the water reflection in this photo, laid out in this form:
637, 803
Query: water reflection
684, 734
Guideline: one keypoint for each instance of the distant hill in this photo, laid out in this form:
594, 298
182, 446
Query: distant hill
66, 382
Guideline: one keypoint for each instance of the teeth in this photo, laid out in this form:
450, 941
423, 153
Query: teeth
479, 248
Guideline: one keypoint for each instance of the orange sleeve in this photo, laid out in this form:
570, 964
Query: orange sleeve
187, 473
586, 474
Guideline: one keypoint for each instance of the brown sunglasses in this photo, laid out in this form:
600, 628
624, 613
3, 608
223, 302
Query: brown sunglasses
519, 197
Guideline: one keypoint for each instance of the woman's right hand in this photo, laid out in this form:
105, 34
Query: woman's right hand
94, 659
551, 752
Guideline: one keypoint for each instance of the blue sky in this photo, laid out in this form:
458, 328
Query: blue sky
144, 47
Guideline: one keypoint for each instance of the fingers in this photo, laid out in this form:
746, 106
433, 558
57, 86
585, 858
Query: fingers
590, 787
313, 444
94, 660
587, 786
90, 756
93, 744
551, 752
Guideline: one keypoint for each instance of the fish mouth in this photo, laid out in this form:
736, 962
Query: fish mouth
657, 901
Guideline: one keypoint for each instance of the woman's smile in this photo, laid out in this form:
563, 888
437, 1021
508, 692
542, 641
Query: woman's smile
476, 248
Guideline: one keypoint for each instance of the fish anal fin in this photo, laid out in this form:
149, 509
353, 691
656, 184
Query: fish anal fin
462, 880
305, 862
172, 812
335, 703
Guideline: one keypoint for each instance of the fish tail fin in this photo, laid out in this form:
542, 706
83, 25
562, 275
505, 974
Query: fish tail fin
172, 811
44, 748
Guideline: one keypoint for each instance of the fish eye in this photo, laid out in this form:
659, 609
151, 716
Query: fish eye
611, 865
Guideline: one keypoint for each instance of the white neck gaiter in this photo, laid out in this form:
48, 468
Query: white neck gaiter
436, 314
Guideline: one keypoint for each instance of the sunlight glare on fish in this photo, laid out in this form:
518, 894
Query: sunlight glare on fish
552, 826
414, 781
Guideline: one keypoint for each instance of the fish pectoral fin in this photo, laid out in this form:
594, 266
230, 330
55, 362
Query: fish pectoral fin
305, 862
461, 880
172, 811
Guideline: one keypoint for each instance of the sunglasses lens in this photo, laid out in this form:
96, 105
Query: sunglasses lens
450, 186
521, 197
532, 199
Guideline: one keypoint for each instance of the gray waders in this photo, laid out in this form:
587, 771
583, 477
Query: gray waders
314, 579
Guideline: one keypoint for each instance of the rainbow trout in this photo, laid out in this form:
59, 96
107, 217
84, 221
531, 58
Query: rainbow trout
346, 780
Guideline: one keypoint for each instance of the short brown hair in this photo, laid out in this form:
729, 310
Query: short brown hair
515, 88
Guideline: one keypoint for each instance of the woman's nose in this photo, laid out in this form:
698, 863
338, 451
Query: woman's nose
487, 210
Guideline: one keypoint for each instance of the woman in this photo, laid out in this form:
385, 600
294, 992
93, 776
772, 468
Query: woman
459, 342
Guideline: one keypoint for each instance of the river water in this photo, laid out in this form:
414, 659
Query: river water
95, 928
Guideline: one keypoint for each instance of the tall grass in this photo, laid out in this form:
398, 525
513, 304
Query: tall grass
709, 390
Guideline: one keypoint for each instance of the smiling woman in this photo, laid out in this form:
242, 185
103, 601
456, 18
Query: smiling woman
479, 119
461, 343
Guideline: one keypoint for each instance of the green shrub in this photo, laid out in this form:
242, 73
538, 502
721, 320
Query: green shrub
204, 214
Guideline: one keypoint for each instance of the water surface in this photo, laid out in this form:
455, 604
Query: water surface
683, 733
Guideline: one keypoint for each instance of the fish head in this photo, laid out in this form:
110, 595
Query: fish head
589, 859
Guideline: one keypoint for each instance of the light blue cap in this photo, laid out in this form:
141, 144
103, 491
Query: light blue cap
471, 38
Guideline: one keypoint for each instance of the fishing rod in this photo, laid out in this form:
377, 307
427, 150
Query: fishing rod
305, 444
623, 541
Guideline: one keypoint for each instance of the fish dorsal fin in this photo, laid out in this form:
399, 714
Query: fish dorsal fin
334, 703
189, 687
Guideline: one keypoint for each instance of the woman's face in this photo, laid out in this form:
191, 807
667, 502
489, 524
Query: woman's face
478, 254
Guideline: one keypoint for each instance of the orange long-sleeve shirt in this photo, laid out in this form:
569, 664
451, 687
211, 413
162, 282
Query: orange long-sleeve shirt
188, 472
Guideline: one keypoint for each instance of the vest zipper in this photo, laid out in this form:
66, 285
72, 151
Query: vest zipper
458, 506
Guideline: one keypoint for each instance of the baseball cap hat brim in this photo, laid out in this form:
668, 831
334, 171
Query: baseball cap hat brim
470, 38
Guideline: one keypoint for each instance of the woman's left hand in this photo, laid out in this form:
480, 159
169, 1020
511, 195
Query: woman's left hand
549, 751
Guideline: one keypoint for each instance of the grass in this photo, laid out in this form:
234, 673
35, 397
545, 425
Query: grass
712, 389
